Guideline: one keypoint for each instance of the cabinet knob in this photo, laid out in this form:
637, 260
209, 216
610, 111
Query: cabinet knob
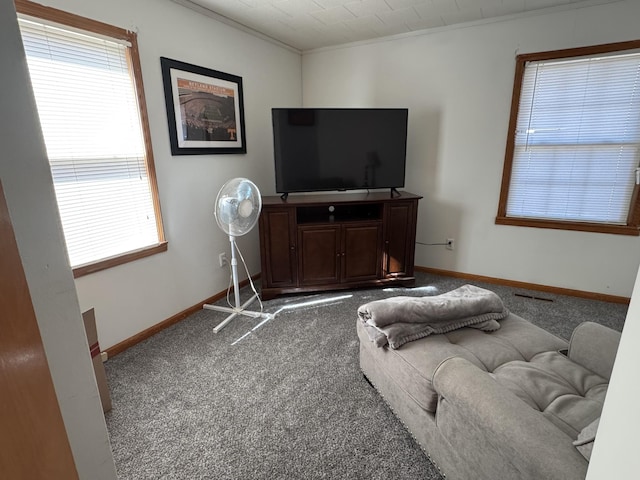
292, 247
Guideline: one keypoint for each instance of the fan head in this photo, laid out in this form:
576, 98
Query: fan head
238, 206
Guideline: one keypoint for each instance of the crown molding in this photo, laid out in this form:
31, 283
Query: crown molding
232, 23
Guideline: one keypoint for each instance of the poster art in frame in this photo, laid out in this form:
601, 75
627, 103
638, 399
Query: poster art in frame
205, 109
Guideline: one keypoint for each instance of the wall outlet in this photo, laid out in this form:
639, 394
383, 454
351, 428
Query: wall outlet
451, 244
222, 259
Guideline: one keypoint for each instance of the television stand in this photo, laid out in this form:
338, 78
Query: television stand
337, 241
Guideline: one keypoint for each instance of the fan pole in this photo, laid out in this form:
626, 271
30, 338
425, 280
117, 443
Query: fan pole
234, 271
238, 309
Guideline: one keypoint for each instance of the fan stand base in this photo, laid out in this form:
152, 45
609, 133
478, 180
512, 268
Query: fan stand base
234, 312
238, 309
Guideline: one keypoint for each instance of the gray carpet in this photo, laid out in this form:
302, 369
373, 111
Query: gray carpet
286, 400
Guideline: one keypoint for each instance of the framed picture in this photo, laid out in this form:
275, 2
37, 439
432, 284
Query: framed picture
205, 109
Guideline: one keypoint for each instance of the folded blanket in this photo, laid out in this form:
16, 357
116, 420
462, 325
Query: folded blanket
399, 320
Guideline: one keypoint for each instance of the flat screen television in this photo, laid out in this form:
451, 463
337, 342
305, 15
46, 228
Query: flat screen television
339, 148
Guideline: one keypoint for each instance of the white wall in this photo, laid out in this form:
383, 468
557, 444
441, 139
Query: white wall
28, 187
133, 297
615, 453
457, 84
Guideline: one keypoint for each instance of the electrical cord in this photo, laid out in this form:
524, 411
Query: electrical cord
230, 282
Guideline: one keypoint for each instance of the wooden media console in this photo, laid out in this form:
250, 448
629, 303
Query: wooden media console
337, 241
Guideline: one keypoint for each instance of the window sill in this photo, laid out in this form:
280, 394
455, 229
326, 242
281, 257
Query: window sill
576, 226
88, 268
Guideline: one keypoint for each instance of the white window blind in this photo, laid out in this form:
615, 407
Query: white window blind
91, 124
577, 140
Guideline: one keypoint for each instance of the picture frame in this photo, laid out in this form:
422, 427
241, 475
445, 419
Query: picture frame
205, 109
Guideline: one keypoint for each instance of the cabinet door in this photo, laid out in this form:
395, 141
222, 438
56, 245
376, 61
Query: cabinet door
400, 226
361, 251
319, 254
278, 245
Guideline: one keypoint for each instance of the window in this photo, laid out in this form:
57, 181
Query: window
88, 89
574, 141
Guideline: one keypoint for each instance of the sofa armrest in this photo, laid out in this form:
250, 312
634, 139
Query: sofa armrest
594, 346
500, 434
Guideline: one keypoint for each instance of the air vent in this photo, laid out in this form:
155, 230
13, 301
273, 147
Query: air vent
533, 297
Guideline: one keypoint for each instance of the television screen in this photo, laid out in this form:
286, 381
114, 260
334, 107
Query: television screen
339, 149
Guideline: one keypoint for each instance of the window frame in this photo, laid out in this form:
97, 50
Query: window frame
25, 7
633, 219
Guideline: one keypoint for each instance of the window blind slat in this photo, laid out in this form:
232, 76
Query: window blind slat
91, 125
577, 140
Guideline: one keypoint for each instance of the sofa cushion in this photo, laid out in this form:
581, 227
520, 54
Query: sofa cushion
566, 393
412, 366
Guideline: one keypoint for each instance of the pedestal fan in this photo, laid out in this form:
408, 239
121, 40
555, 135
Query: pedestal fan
237, 208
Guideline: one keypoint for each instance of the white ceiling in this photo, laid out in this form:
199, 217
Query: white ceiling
309, 24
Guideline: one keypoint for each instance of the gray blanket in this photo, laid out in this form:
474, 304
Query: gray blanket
399, 320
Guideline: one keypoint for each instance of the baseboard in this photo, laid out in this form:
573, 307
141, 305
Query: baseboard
528, 286
131, 341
